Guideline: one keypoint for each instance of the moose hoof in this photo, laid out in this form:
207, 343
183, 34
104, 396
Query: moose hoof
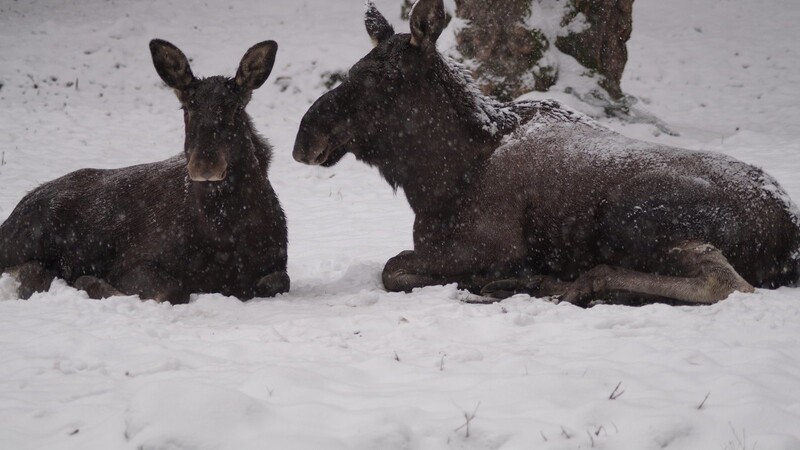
502, 289
174, 295
401, 281
577, 297
32, 277
95, 287
583, 290
273, 284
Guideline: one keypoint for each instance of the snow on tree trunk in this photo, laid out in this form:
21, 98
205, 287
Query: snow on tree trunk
501, 49
405, 9
578, 47
601, 46
507, 42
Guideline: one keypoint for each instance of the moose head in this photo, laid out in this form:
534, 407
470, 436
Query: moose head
213, 107
403, 108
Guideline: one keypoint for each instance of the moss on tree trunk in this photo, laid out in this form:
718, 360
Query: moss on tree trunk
507, 53
602, 46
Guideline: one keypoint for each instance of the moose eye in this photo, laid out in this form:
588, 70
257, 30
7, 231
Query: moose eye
368, 78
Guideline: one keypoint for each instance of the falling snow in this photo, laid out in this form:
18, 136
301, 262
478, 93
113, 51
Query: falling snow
339, 363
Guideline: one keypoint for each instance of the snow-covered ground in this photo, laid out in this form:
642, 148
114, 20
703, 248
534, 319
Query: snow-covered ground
338, 362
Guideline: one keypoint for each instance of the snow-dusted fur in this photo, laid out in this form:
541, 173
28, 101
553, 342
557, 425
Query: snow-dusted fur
493, 116
508, 190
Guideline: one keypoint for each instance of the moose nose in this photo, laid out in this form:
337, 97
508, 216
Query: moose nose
299, 154
312, 157
202, 171
209, 176
310, 151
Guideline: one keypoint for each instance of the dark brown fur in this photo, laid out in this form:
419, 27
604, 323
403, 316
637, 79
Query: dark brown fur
530, 197
203, 221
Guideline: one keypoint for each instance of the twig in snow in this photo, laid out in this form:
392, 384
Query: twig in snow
700, 406
616, 393
543, 436
741, 442
468, 418
480, 300
565, 434
441, 363
599, 429
591, 438
396, 357
3, 159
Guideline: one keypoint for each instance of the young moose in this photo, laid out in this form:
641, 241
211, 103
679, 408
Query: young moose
530, 197
203, 221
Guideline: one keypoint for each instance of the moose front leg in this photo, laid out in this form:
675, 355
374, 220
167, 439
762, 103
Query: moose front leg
481, 249
151, 282
405, 272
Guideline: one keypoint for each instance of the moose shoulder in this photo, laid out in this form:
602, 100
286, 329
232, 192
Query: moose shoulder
531, 197
206, 220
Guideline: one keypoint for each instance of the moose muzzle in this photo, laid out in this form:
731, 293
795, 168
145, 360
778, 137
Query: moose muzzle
204, 170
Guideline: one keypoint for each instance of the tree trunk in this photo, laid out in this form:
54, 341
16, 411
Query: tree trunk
508, 54
405, 8
602, 47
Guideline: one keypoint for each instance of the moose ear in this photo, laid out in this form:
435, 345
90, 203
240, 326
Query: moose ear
256, 65
171, 64
378, 27
428, 20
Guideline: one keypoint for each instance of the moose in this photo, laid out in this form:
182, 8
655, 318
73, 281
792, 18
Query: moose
204, 221
531, 197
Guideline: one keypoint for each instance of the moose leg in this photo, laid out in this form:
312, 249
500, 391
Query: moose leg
402, 274
97, 288
398, 274
32, 277
272, 284
150, 282
485, 246
707, 277
533, 285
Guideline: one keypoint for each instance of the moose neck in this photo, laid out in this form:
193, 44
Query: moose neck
435, 178
460, 128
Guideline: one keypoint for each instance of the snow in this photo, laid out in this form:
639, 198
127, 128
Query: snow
338, 362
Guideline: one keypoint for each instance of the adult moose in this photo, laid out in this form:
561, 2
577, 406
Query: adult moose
206, 220
530, 197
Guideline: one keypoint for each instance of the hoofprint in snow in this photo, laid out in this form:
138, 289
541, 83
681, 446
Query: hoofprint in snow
339, 363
